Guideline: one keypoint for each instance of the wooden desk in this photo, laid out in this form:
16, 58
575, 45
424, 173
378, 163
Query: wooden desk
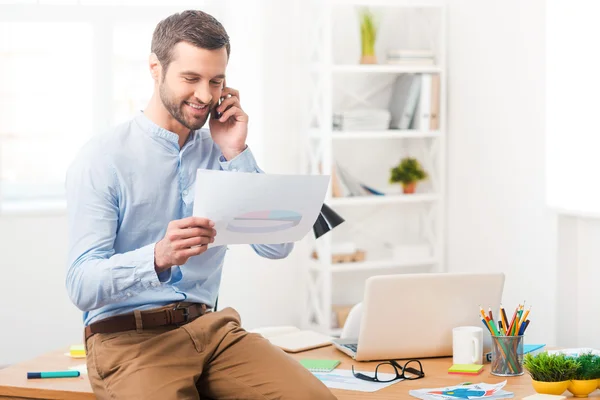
14, 384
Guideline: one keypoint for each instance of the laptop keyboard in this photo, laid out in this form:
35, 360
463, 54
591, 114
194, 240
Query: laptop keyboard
351, 346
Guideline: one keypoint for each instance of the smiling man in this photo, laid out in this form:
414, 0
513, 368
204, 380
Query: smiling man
139, 266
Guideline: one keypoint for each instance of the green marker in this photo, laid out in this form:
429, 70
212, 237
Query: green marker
53, 374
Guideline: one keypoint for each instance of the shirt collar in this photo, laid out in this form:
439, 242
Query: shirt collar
153, 129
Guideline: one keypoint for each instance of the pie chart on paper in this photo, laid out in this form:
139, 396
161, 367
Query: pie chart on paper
264, 221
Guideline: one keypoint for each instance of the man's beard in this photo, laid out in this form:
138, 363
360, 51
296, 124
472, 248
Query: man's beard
176, 110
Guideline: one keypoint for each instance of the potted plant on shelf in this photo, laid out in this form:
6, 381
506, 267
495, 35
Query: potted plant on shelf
551, 373
586, 377
408, 172
368, 35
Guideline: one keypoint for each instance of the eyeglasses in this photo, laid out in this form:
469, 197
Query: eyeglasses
411, 370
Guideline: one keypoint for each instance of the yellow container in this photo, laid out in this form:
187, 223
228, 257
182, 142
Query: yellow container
554, 388
581, 388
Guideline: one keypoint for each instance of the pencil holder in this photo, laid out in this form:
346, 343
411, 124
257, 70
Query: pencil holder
507, 355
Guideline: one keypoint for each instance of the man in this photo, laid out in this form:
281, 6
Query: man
139, 264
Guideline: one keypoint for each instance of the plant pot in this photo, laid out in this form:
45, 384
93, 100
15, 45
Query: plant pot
368, 59
581, 388
554, 388
409, 188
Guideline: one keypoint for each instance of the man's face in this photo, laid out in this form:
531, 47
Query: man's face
193, 82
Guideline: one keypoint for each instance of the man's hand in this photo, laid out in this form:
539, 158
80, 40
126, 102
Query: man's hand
184, 238
230, 131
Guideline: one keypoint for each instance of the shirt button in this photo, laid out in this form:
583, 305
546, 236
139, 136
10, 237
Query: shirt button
185, 192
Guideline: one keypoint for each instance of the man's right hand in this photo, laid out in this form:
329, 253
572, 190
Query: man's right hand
184, 238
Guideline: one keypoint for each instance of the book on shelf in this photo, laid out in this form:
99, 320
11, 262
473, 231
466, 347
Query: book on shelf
403, 102
421, 120
435, 103
415, 102
410, 57
343, 184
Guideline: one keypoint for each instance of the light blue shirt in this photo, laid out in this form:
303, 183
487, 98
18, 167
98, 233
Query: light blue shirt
123, 189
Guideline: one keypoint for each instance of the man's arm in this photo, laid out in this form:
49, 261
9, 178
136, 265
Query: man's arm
245, 162
96, 276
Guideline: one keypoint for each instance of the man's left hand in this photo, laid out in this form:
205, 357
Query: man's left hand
230, 131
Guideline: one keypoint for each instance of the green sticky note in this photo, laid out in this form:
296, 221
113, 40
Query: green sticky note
319, 365
465, 368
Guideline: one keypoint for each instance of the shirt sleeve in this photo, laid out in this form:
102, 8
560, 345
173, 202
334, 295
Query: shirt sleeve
96, 275
245, 162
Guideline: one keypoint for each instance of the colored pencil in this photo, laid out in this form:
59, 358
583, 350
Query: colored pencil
504, 319
512, 322
482, 312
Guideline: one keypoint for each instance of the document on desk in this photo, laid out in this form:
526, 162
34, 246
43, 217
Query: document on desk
251, 208
343, 379
467, 391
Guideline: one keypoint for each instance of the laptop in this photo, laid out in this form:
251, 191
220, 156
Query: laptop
412, 315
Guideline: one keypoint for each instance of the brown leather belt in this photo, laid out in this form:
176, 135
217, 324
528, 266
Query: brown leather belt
171, 315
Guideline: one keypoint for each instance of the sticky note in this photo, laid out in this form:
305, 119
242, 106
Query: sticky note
465, 369
77, 351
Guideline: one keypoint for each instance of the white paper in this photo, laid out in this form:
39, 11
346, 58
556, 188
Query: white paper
472, 391
575, 352
343, 379
251, 208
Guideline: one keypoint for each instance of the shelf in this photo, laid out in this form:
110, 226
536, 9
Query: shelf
386, 69
375, 265
384, 134
386, 199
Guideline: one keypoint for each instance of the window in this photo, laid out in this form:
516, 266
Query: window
45, 97
62, 82
132, 83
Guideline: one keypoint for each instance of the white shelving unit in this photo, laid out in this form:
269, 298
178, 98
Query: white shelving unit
327, 64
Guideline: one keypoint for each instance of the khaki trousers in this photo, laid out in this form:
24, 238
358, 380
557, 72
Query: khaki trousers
211, 357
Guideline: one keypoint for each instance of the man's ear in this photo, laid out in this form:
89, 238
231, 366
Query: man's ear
155, 67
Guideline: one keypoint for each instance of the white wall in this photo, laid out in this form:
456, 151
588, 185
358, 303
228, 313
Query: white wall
578, 274
572, 148
35, 312
265, 292
497, 219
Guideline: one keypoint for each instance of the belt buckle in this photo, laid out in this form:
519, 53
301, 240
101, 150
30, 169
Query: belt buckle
186, 313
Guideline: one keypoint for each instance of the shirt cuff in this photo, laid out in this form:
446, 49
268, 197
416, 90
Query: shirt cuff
145, 272
243, 162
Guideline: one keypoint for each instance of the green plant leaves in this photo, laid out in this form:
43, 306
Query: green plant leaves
407, 171
368, 32
546, 367
589, 367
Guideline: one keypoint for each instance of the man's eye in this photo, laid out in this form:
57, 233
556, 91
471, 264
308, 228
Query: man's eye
190, 79
216, 83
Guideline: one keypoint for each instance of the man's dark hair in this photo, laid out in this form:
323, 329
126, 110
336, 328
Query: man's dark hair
193, 26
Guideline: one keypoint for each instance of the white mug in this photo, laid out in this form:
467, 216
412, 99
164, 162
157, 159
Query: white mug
467, 345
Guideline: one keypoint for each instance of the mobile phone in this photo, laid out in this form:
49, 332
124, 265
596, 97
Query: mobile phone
218, 114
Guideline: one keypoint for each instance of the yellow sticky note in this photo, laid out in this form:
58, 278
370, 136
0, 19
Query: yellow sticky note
77, 351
